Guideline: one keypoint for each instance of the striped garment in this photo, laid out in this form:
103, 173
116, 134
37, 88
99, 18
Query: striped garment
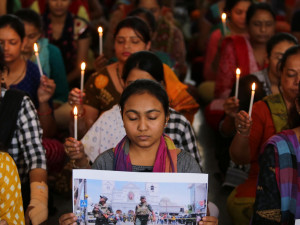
287, 157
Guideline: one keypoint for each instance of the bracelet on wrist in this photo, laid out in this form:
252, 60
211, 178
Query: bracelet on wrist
49, 112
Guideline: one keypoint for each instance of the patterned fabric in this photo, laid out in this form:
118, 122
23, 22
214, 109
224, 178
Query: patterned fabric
108, 130
26, 147
10, 195
278, 111
165, 161
77, 7
169, 39
185, 163
236, 51
75, 28
277, 193
179, 98
100, 92
262, 129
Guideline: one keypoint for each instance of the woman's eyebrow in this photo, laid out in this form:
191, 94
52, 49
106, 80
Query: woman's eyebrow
148, 111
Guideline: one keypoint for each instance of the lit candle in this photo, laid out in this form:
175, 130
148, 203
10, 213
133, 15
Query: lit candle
223, 17
83, 65
75, 122
252, 99
36, 52
237, 80
100, 31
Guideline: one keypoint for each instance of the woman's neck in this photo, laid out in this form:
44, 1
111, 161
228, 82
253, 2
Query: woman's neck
27, 55
235, 30
58, 19
274, 82
143, 156
289, 103
17, 71
15, 65
258, 46
120, 66
259, 52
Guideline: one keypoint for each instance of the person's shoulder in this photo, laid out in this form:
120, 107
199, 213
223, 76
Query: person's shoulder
177, 118
6, 158
277, 98
80, 20
234, 40
104, 161
186, 163
31, 64
53, 49
32, 69
261, 104
216, 34
113, 112
175, 114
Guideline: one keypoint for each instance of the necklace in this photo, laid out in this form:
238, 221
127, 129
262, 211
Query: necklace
17, 79
119, 76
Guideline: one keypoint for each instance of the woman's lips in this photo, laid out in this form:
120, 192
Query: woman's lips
143, 137
126, 53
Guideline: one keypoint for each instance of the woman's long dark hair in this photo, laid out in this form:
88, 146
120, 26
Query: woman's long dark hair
3, 67
139, 26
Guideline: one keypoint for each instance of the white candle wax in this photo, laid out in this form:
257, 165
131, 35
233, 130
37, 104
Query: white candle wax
237, 80
100, 31
36, 52
223, 17
83, 65
252, 99
75, 122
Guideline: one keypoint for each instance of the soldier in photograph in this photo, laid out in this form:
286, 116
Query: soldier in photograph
142, 212
102, 211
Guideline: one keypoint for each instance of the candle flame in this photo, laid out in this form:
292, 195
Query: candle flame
253, 87
224, 17
238, 71
83, 65
75, 111
35, 47
100, 30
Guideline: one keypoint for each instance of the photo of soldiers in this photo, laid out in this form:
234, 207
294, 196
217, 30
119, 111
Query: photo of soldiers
102, 211
142, 212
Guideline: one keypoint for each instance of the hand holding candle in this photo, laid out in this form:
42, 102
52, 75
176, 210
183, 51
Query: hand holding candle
75, 111
223, 17
83, 65
252, 99
36, 52
100, 31
237, 80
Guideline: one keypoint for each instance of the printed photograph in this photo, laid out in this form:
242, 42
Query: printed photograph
128, 198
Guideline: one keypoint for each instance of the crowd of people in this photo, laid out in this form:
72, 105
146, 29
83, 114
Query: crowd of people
135, 109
